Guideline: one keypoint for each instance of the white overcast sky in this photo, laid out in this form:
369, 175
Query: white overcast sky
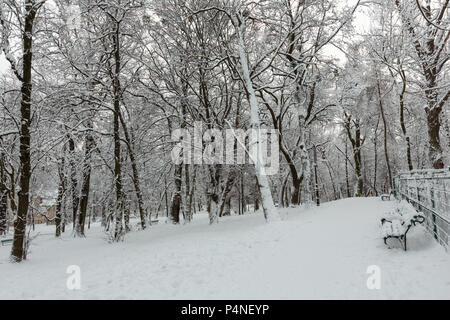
361, 23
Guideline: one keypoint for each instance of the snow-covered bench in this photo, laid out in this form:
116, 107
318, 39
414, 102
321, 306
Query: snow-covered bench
386, 197
6, 241
397, 226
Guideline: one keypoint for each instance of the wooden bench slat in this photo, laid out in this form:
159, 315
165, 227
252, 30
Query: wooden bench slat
6, 241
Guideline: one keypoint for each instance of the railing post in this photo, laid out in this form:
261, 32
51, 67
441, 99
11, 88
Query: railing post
394, 188
433, 206
418, 195
444, 205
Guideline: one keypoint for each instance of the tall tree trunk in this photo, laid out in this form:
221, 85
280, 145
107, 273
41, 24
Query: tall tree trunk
270, 212
190, 196
86, 183
118, 231
330, 172
283, 197
386, 151
127, 212
295, 42
296, 178
433, 112
166, 198
434, 126
61, 195
316, 178
187, 190
402, 121
347, 179
213, 192
296, 184
306, 163
357, 157
103, 223
243, 202
64, 209
429, 52
357, 142
176, 199
375, 170
18, 252
447, 130
3, 211
3, 195
136, 181
224, 199
73, 181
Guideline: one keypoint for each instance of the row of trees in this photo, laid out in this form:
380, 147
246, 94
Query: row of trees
96, 88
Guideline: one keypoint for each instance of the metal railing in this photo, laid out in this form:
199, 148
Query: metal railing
429, 192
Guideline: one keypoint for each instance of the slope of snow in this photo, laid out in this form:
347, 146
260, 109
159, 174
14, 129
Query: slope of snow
320, 253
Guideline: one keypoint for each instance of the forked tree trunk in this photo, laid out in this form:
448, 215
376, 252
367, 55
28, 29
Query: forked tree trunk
357, 141
136, 181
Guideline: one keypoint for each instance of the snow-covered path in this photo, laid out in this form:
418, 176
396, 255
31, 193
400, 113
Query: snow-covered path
320, 253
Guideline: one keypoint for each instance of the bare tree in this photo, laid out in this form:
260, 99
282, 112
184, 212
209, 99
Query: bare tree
28, 13
429, 38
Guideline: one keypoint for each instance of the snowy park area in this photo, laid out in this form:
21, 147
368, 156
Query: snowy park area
224, 150
316, 253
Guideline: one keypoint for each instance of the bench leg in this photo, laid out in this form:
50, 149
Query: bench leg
401, 241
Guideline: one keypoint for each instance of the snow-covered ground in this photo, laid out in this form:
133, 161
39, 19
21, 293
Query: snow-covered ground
320, 253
